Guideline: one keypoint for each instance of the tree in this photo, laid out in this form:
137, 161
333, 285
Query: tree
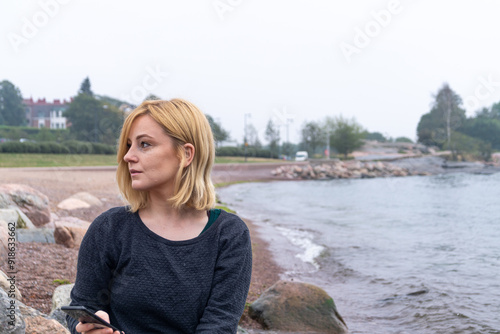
461, 144
152, 97
85, 87
375, 136
253, 137
273, 137
403, 140
313, 136
484, 128
219, 133
93, 120
347, 135
11, 105
446, 115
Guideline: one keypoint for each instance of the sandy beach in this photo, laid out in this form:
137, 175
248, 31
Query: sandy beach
40, 264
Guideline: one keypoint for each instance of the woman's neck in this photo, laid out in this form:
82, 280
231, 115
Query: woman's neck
171, 223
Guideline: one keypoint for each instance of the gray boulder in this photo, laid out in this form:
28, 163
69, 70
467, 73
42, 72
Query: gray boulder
42, 234
14, 214
61, 297
5, 234
32, 202
8, 287
11, 320
297, 307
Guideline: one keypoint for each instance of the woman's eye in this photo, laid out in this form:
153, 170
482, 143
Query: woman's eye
145, 144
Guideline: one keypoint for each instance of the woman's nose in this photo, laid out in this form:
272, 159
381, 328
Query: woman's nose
130, 156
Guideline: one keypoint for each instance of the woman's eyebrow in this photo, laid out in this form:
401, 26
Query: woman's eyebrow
142, 136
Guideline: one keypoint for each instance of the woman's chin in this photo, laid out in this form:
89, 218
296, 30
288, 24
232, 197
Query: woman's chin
138, 186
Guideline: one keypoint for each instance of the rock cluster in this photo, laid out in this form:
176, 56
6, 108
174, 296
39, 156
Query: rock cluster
341, 170
22, 319
25, 215
30, 201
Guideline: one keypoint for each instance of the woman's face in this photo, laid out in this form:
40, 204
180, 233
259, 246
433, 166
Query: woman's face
152, 159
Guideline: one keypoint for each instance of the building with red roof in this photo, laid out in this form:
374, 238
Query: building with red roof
44, 114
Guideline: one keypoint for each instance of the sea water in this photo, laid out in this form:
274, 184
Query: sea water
398, 255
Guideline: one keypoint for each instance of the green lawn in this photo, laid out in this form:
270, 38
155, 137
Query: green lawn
233, 160
66, 160
55, 160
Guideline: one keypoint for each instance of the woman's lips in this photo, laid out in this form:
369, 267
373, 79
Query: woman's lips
134, 172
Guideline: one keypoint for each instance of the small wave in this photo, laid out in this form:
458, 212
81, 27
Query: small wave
304, 240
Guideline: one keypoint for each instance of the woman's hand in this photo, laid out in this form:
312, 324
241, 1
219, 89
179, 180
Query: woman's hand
89, 328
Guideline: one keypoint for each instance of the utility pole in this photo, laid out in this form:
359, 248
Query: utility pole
288, 121
246, 135
327, 144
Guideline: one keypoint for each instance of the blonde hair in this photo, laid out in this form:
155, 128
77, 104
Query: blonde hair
185, 123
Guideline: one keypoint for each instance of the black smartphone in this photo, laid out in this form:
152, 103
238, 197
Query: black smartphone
84, 315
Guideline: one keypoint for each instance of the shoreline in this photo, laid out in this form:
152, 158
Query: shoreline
40, 264
36, 277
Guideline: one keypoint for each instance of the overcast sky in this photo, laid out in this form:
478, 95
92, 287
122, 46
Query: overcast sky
378, 61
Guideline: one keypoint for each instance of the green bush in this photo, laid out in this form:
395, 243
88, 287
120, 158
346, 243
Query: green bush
103, 149
231, 151
12, 147
31, 147
51, 147
79, 147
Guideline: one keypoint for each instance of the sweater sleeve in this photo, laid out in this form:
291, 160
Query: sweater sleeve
230, 284
94, 272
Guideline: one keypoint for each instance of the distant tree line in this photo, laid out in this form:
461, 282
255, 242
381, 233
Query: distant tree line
98, 119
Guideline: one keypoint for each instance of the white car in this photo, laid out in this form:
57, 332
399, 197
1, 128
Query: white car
301, 156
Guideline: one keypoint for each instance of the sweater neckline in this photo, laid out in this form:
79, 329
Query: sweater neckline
209, 231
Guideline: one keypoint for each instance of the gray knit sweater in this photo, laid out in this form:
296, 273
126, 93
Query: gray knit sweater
149, 284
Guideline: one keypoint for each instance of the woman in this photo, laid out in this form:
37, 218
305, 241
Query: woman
168, 263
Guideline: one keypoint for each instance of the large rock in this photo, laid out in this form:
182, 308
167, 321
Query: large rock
60, 297
81, 200
4, 240
88, 198
38, 323
72, 204
43, 234
42, 325
32, 202
297, 307
69, 231
14, 214
8, 287
11, 320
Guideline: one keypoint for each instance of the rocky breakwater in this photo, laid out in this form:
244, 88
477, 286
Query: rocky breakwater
342, 170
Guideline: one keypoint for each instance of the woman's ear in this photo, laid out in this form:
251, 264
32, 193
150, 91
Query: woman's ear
188, 153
